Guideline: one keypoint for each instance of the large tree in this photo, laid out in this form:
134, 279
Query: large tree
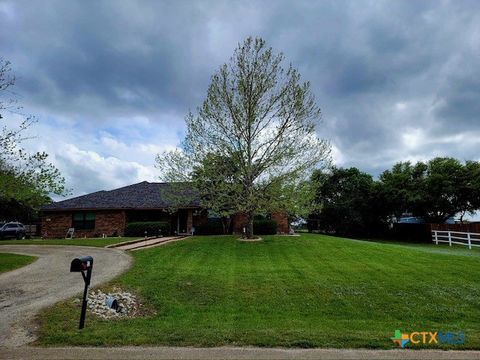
435, 190
470, 193
348, 203
215, 180
25, 178
260, 116
403, 188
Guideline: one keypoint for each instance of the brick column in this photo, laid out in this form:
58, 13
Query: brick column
239, 222
282, 222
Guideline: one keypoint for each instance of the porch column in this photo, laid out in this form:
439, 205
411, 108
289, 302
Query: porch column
189, 221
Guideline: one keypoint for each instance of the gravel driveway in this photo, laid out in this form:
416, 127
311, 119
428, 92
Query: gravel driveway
26, 290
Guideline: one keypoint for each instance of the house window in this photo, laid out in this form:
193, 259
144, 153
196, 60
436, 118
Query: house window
84, 221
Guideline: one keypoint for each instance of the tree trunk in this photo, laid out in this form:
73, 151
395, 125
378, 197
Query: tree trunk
249, 227
226, 220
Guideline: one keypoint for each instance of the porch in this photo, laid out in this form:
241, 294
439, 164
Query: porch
181, 222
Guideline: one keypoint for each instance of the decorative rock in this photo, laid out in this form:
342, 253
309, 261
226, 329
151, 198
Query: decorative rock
128, 305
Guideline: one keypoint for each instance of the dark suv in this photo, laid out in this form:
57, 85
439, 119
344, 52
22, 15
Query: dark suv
12, 230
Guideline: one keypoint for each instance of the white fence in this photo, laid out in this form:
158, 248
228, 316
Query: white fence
456, 237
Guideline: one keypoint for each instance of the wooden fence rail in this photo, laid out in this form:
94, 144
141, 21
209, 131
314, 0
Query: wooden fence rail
456, 237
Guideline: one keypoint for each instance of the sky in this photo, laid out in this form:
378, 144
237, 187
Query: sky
110, 82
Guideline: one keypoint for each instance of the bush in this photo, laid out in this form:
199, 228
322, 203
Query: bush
264, 227
212, 227
215, 227
151, 227
313, 224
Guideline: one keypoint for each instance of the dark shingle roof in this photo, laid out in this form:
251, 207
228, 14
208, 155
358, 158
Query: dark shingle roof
144, 195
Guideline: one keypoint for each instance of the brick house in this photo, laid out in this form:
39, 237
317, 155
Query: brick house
108, 212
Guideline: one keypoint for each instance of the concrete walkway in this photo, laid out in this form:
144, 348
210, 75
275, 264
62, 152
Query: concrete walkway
147, 353
148, 243
24, 291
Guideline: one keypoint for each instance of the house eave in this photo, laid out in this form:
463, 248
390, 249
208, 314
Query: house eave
116, 209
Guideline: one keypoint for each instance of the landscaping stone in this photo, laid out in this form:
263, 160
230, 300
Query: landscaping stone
129, 305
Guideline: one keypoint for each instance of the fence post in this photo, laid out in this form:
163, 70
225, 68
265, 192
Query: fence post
436, 237
449, 238
469, 241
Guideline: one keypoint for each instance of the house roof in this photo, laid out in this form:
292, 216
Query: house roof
144, 195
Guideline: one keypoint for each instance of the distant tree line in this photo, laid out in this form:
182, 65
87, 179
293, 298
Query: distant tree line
350, 202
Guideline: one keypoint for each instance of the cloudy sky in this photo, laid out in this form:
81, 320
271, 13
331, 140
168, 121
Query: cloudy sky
111, 81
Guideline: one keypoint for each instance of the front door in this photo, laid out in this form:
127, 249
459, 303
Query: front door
182, 221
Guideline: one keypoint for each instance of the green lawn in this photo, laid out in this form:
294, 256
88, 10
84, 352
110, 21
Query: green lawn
98, 242
13, 261
308, 291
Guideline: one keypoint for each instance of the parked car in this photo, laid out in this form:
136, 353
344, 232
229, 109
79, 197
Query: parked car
13, 230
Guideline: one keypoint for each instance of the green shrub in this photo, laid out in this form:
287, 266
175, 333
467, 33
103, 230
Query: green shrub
151, 227
264, 227
212, 227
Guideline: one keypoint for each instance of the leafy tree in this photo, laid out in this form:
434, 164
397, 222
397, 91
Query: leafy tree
436, 190
403, 188
346, 197
261, 117
25, 178
352, 203
445, 178
217, 183
13, 210
470, 192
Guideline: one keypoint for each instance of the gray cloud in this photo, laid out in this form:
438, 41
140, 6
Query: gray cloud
396, 80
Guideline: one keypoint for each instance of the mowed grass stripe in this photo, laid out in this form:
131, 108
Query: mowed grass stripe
308, 291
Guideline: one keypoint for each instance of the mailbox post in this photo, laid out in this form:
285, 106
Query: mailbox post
83, 265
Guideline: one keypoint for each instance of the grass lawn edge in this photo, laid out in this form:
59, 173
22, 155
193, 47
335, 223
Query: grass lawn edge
12, 261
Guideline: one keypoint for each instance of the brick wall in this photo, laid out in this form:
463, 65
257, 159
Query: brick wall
282, 222
240, 221
56, 224
108, 222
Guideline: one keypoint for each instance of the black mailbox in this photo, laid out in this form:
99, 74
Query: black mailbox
81, 264
84, 266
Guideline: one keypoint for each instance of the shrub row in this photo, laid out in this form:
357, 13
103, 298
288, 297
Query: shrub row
151, 227
212, 227
264, 227
215, 227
